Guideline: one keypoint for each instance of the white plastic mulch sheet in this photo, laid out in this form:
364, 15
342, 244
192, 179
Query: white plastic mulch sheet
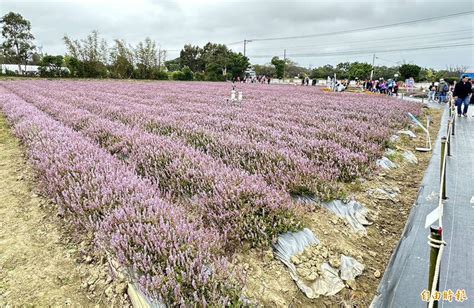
353, 212
350, 268
386, 163
329, 282
293, 243
410, 157
409, 133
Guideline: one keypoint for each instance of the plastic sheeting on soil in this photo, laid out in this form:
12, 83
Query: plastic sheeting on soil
409, 133
293, 243
385, 193
386, 163
329, 284
350, 268
394, 138
410, 157
353, 212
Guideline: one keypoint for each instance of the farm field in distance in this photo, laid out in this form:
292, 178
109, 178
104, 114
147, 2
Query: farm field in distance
182, 187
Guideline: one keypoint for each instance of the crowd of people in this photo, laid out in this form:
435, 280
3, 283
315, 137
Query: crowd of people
389, 87
255, 79
439, 91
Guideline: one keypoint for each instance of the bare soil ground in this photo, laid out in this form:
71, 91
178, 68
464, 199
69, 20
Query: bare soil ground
268, 280
41, 265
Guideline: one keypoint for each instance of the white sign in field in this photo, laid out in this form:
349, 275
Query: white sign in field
432, 217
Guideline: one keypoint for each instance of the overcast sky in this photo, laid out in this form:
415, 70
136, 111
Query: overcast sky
173, 23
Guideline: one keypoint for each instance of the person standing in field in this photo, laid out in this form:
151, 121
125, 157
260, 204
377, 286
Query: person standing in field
462, 92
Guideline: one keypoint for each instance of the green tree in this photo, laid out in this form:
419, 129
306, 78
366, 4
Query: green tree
385, 72
216, 59
323, 72
35, 59
359, 70
292, 69
91, 52
146, 57
187, 73
265, 70
52, 66
158, 74
279, 66
342, 70
75, 66
190, 56
18, 45
121, 57
173, 65
409, 70
238, 64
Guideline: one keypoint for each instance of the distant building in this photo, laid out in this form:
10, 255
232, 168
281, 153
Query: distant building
28, 69
250, 73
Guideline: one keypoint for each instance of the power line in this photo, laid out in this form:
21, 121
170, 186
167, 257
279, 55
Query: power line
384, 39
371, 49
362, 52
397, 44
364, 29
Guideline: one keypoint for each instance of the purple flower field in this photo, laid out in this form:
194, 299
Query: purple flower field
171, 178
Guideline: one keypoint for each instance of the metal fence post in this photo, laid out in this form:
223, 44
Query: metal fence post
454, 122
449, 139
435, 234
441, 175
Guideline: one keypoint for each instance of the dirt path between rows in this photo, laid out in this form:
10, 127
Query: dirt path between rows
39, 266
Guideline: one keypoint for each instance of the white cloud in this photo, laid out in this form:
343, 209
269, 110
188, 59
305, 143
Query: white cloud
174, 23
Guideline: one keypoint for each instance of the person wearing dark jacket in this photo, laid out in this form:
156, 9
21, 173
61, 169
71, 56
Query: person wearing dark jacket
472, 96
462, 90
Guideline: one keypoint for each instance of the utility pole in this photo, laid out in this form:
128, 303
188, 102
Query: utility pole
245, 46
159, 57
372, 71
284, 66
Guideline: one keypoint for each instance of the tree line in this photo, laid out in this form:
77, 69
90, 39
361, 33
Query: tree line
279, 68
94, 57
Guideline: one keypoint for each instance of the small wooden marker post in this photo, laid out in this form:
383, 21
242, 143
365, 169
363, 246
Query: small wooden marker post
435, 234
